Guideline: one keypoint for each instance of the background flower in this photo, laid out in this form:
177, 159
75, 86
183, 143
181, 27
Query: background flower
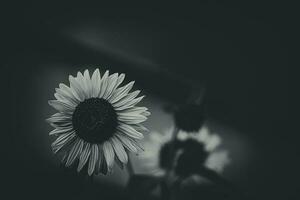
217, 159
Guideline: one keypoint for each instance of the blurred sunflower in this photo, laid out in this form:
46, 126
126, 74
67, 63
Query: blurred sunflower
156, 158
97, 121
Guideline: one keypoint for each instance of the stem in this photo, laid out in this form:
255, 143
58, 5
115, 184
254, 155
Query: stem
165, 187
165, 192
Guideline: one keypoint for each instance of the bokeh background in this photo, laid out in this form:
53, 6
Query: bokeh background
238, 52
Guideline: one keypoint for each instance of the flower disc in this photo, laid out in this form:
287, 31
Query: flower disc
95, 120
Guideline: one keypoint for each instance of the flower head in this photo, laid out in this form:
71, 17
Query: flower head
202, 145
97, 121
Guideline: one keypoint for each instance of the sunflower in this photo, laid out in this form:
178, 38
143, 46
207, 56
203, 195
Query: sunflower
97, 122
217, 159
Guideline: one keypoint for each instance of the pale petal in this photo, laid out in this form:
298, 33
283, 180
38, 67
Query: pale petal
132, 119
119, 163
58, 131
129, 97
133, 110
64, 100
217, 161
88, 83
60, 139
74, 152
130, 131
203, 135
82, 83
140, 128
99, 161
126, 142
63, 140
68, 93
96, 83
109, 155
103, 165
146, 113
136, 144
75, 85
61, 106
119, 150
64, 96
60, 125
58, 96
130, 103
84, 156
213, 142
120, 79
121, 92
112, 81
64, 158
93, 159
104, 81
59, 117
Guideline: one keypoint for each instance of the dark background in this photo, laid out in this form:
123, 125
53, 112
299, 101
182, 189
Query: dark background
239, 51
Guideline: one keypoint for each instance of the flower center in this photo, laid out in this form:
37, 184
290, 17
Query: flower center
95, 120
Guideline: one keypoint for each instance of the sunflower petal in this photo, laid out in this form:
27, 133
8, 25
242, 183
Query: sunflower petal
59, 118
133, 110
126, 142
60, 125
119, 150
112, 81
68, 93
99, 161
119, 81
96, 83
75, 85
132, 119
130, 103
93, 159
121, 92
136, 144
104, 81
129, 131
103, 167
129, 97
140, 128
84, 156
58, 131
62, 141
109, 155
212, 143
119, 163
62, 138
146, 113
82, 83
61, 106
88, 84
74, 152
